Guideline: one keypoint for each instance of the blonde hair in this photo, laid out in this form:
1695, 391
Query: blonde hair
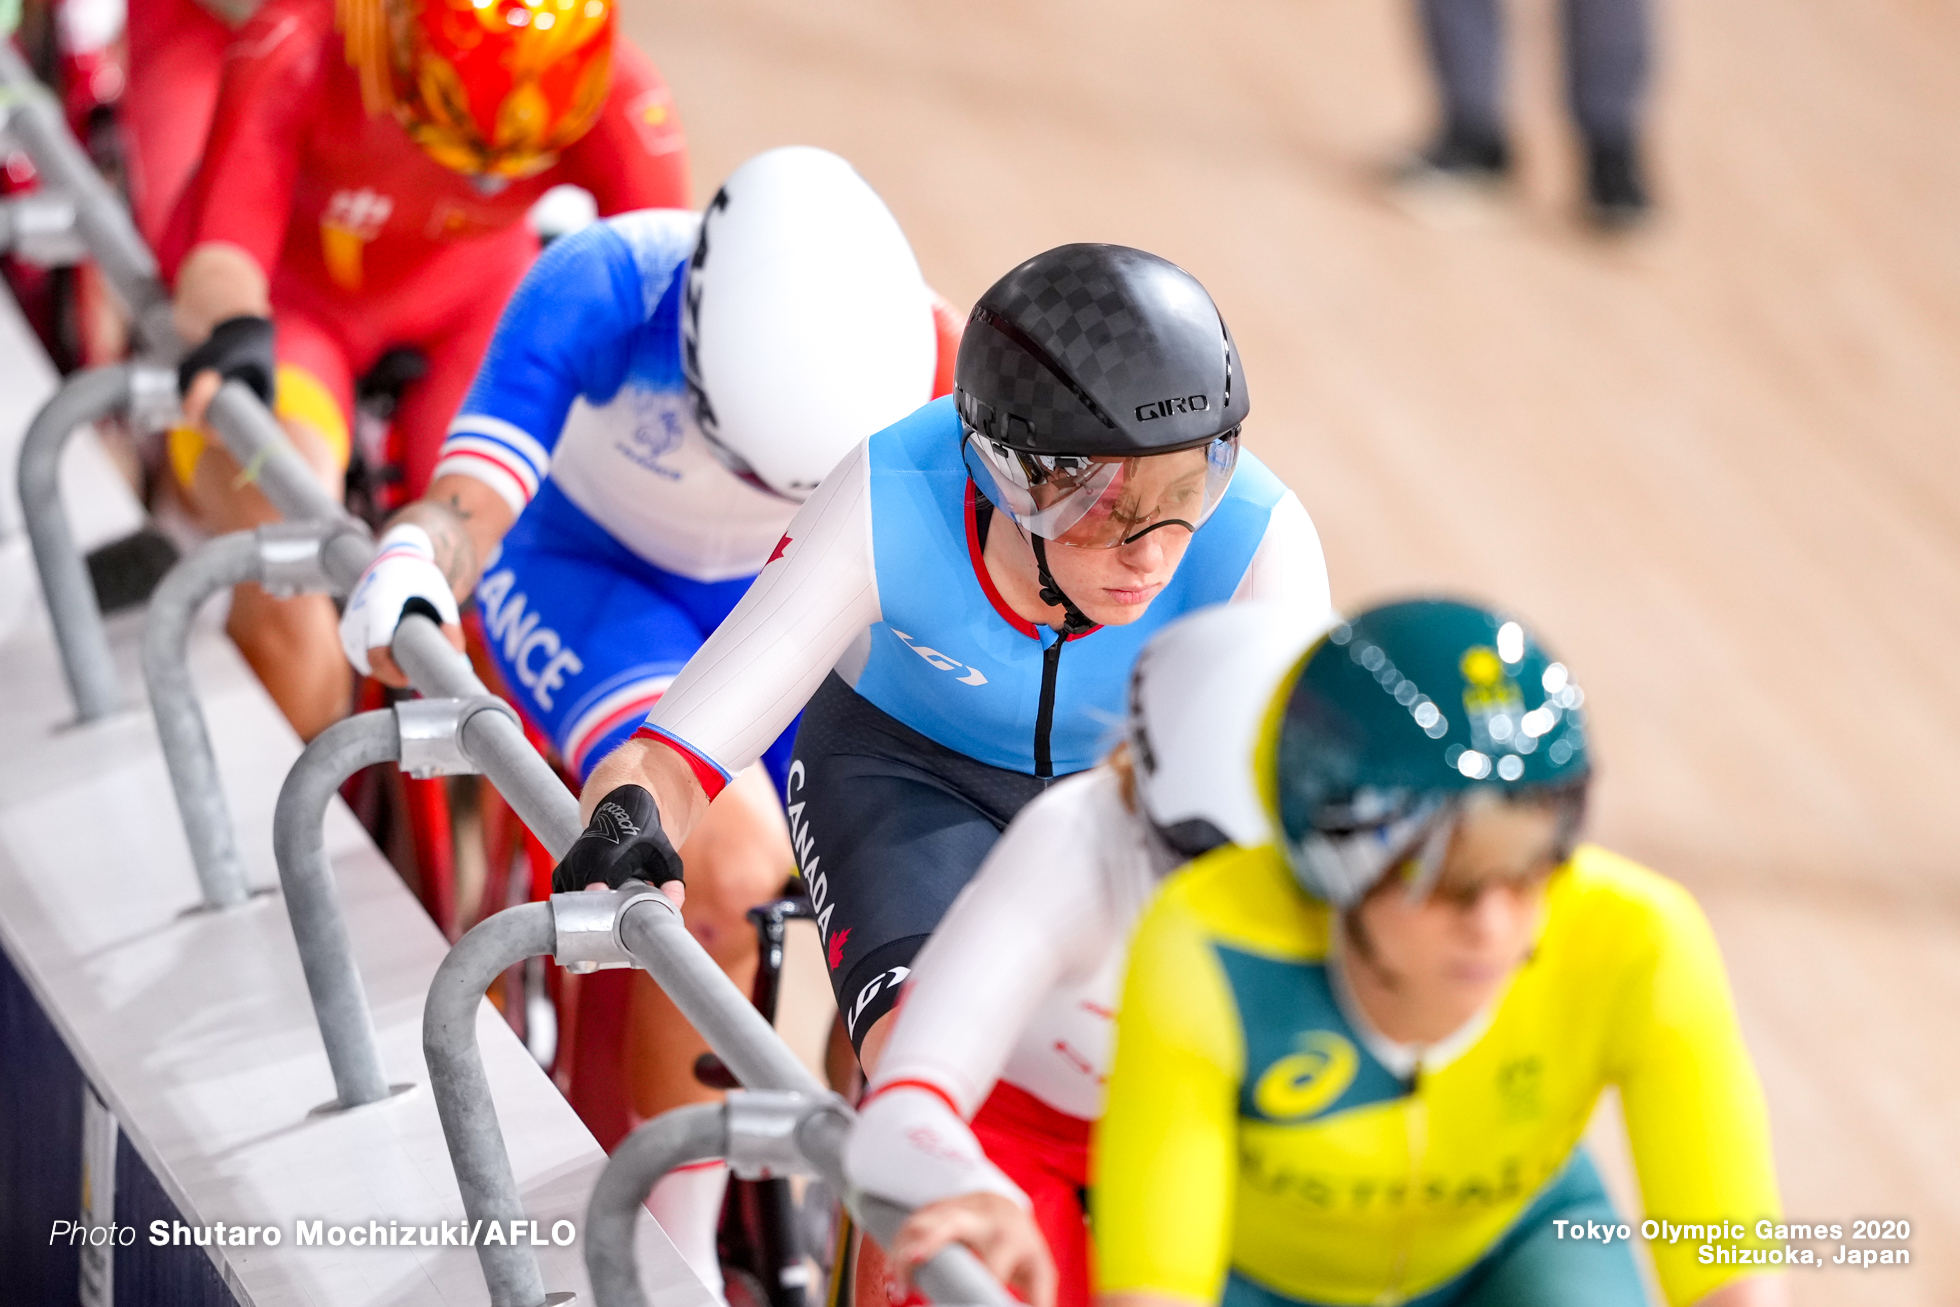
1125, 767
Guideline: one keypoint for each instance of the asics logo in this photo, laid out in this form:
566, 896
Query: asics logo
1164, 408
973, 676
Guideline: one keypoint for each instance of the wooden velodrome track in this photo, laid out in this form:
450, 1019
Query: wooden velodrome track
1716, 464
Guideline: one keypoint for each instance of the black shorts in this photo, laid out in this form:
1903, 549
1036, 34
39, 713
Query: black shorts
889, 826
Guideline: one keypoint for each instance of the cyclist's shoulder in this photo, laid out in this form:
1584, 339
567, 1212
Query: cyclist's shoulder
1606, 898
606, 278
633, 70
659, 241
1255, 483
925, 440
1246, 900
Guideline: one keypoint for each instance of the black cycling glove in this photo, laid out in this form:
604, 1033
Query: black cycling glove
238, 349
622, 842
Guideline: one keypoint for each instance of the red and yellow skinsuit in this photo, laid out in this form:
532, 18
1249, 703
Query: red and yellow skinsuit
367, 242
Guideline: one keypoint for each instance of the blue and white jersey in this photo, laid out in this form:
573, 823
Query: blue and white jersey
583, 383
880, 576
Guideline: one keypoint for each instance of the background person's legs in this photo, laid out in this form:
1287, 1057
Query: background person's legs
1606, 66
1465, 40
292, 645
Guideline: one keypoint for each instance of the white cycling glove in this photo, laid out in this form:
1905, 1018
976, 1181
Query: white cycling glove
909, 1147
403, 570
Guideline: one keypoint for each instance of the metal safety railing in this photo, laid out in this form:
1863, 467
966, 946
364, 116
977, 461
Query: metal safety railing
148, 395
427, 737
79, 208
285, 558
760, 1134
783, 1121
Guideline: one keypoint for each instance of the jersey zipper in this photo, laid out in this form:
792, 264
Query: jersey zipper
1044, 717
1417, 1119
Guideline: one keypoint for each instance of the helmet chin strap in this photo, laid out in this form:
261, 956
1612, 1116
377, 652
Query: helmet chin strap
1074, 620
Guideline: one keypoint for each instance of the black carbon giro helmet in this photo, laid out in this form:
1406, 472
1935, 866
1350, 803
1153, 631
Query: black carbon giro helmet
1098, 350
1079, 370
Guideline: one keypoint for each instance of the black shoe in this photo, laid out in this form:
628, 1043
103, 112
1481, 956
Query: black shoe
1616, 193
1460, 154
126, 572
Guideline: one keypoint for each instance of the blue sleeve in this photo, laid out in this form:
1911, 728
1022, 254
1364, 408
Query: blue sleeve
567, 332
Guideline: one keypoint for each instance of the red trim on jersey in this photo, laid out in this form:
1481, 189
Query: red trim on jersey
1013, 1109
925, 1085
948, 324
509, 467
610, 723
1014, 619
704, 1164
710, 776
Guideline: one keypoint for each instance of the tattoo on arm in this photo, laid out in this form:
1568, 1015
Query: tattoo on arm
447, 522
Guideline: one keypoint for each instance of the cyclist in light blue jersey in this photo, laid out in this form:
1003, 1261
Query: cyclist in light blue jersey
960, 602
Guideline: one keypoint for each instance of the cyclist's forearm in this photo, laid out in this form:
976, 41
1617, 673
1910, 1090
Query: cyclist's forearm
663, 772
465, 519
217, 280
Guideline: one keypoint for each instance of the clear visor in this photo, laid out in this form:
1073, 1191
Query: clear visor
1095, 502
1454, 848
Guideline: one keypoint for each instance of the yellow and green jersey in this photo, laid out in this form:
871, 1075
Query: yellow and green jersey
1249, 1129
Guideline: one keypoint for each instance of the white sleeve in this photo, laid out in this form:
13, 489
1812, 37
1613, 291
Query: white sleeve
1034, 916
909, 1147
1288, 565
762, 664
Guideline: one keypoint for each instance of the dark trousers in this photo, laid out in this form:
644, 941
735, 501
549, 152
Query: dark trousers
1606, 64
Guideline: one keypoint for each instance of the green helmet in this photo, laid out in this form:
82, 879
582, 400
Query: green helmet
1400, 716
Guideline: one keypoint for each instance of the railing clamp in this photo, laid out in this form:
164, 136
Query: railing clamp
587, 927
154, 404
292, 557
765, 1131
431, 733
41, 228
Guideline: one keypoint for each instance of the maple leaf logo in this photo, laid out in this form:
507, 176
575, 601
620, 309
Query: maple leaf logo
835, 953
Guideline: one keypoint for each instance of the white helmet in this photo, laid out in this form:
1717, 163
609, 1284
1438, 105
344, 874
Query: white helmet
806, 324
1198, 694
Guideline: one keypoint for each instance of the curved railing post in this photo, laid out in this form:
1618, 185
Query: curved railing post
665, 1143
32, 117
760, 1133
285, 559
462, 1089
634, 926
425, 737
326, 951
78, 630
